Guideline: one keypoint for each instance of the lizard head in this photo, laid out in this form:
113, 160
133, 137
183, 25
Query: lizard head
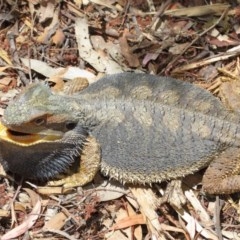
39, 138
37, 110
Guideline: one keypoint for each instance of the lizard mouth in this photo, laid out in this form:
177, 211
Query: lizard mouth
25, 139
37, 156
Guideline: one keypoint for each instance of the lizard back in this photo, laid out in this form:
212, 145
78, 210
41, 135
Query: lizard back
153, 129
165, 90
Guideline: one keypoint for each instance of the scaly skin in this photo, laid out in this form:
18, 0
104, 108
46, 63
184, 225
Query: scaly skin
46, 156
42, 157
150, 129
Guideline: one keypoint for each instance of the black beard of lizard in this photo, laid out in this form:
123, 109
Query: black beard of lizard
41, 159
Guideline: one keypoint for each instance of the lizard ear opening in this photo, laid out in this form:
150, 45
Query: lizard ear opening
39, 121
70, 125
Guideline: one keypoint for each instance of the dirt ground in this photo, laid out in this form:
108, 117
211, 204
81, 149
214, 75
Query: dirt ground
59, 41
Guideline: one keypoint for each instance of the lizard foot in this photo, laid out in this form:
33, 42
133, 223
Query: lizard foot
221, 175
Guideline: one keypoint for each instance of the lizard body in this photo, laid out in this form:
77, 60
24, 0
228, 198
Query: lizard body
149, 129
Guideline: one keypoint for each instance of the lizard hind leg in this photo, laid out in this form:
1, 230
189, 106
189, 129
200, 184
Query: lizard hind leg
221, 176
89, 165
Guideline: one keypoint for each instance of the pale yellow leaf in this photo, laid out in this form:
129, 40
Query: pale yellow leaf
78, 3
4, 56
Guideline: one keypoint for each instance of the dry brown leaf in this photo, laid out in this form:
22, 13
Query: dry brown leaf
67, 73
78, 3
26, 224
2, 69
33, 196
10, 94
74, 10
230, 235
138, 233
56, 222
129, 221
46, 11
178, 48
5, 57
4, 213
53, 190
203, 215
121, 214
198, 10
148, 202
208, 234
59, 37
28, 23
45, 36
18, 206
127, 52
5, 81
34, 2
99, 60
110, 190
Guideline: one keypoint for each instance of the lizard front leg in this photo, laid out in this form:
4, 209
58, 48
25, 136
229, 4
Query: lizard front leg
89, 165
221, 177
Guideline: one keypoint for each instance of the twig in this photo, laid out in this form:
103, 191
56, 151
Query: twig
164, 5
199, 35
14, 53
218, 207
11, 204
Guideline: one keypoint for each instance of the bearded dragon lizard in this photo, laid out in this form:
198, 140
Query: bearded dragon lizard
149, 128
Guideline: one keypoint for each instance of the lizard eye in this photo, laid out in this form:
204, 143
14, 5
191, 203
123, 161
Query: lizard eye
39, 121
70, 125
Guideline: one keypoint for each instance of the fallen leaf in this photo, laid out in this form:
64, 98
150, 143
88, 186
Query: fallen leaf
59, 37
110, 190
127, 52
5, 81
4, 213
4, 56
26, 224
99, 60
198, 10
53, 190
56, 222
129, 221
78, 3
33, 196
46, 11
39, 66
